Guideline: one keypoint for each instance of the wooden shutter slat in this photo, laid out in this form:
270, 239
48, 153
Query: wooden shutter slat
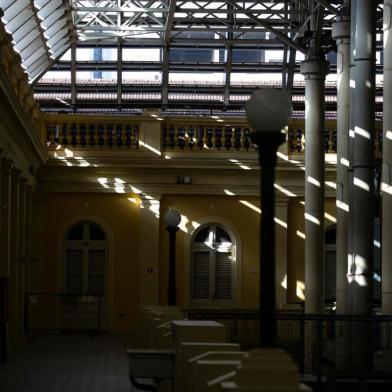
223, 275
201, 275
74, 271
330, 274
96, 271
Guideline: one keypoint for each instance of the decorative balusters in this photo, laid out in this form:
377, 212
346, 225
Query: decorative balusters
83, 132
247, 144
109, 131
205, 136
92, 135
209, 143
326, 140
136, 136
74, 132
228, 137
296, 140
378, 141
119, 132
333, 141
237, 138
91, 132
48, 134
65, 142
218, 138
128, 136
200, 137
172, 140
181, 138
56, 135
101, 136
191, 134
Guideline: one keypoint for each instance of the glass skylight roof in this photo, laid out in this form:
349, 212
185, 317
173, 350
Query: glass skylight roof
40, 29
125, 51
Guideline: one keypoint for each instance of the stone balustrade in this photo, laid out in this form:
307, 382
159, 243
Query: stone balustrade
206, 137
296, 139
92, 135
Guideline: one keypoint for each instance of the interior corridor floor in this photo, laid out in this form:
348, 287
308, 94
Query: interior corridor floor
68, 363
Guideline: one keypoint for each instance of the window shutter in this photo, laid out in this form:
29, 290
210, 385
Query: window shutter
96, 271
201, 275
74, 271
330, 273
223, 275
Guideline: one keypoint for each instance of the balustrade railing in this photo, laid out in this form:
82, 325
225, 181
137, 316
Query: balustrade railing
321, 345
296, 140
93, 135
206, 137
62, 312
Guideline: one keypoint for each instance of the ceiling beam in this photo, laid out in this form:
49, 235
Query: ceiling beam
169, 21
328, 6
280, 36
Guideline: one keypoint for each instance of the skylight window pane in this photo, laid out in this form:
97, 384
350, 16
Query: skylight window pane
15, 9
195, 78
248, 55
17, 22
191, 55
56, 76
66, 56
49, 8
40, 3
273, 56
96, 76
23, 30
27, 40
4, 4
96, 54
142, 54
147, 77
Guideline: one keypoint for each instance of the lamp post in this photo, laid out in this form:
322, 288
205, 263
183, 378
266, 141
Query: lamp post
268, 111
172, 219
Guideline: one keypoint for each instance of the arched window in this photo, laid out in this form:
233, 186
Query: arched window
85, 259
213, 266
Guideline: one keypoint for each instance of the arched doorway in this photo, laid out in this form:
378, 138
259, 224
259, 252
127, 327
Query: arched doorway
212, 266
85, 262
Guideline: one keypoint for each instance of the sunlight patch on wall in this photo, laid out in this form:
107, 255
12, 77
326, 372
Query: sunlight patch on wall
283, 283
300, 290
280, 222
251, 206
103, 181
330, 217
152, 149
240, 164
331, 184
284, 190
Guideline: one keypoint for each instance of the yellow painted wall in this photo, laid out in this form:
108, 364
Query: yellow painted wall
120, 218
231, 213
296, 245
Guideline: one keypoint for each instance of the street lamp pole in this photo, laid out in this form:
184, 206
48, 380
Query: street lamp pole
268, 112
172, 219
